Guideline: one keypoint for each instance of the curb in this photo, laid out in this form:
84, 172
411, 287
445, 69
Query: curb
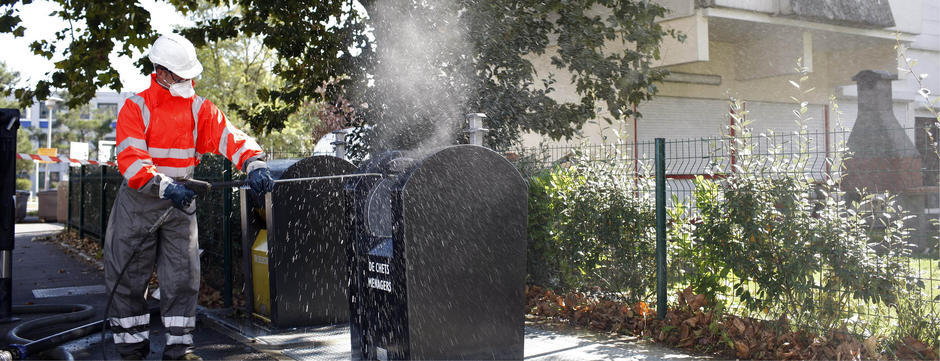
75, 251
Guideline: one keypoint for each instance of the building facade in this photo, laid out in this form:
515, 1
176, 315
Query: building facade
750, 49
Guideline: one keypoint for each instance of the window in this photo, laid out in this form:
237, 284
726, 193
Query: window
108, 110
43, 111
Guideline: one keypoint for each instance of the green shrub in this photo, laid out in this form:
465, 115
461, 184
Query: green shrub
792, 256
541, 260
592, 224
917, 316
23, 184
693, 262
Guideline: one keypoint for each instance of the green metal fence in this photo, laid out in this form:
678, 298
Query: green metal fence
816, 158
91, 194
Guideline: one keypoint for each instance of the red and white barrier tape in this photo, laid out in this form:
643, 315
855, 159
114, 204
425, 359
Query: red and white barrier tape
61, 159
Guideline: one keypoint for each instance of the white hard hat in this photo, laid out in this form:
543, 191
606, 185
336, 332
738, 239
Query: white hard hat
177, 54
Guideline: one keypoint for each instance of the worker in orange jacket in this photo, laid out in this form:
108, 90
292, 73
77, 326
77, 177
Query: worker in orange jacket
161, 134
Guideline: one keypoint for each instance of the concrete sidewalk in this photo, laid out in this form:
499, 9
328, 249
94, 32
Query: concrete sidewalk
542, 342
33, 229
547, 342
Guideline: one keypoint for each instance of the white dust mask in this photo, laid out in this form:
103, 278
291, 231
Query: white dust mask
183, 89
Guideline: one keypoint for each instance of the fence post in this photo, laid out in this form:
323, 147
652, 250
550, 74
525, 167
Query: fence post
828, 156
68, 202
227, 235
636, 149
731, 132
661, 228
103, 222
81, 203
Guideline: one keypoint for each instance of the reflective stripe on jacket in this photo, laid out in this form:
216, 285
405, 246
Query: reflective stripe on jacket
158, 133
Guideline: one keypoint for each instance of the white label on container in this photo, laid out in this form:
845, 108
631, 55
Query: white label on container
377, 267
380, 284
381, 354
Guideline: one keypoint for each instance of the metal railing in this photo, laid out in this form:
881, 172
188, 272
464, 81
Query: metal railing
814, 157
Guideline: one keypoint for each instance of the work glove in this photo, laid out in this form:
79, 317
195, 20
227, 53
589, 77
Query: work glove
260, 180
181, 196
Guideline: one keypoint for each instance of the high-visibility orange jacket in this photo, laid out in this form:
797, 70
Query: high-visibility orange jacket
159, 134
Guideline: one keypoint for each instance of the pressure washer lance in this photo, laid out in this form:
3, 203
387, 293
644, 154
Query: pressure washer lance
203, 187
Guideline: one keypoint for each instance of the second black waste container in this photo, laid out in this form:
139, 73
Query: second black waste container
294, 245
437, 263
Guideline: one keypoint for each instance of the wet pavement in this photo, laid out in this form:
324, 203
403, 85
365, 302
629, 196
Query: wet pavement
543, 342
46, 273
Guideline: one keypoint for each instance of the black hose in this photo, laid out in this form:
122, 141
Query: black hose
76, 312
107, 307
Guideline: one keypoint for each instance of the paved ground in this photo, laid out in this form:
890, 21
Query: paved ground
552, 342
543, 342
45, 274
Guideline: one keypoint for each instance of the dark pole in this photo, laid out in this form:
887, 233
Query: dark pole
661, 228
68, 220
81, 202
103, 221
9, 125
227, 235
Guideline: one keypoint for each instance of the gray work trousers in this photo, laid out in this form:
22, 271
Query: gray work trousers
174, 249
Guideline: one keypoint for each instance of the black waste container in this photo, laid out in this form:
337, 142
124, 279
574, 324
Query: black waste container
294, 245
437, 263
9, 125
